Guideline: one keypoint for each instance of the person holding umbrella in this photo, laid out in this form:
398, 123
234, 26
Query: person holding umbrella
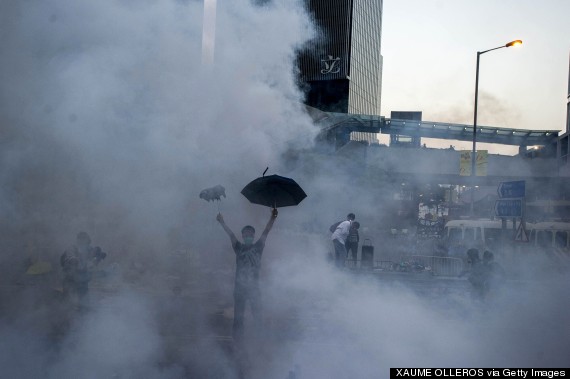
248, 263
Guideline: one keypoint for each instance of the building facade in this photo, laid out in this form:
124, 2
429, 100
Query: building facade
568, 102
403, 140
564, 141
341, 68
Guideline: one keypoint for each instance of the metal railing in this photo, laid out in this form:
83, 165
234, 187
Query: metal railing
367, 264
441, 266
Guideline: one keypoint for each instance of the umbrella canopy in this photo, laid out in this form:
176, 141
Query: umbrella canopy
274, 191
213, 193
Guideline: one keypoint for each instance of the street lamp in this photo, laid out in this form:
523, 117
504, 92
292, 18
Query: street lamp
474, 151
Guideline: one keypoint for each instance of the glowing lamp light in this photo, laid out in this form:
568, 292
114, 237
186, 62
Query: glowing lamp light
514, 43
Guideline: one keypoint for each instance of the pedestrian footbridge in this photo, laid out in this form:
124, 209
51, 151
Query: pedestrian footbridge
333, 123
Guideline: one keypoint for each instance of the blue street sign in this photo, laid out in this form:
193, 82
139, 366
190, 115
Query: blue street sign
511, 189
509, 208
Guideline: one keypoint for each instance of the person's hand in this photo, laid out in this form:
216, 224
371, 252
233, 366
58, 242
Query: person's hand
274, 213
220, 218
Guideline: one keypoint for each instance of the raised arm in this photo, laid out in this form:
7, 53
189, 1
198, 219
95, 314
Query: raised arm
233, 238
269, 224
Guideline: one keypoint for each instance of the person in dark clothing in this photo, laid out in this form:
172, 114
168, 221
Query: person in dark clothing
494, 272
78, 264
352, 242
493, 267
248, 263
476, 273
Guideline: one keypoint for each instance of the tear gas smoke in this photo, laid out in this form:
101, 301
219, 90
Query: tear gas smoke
111, 125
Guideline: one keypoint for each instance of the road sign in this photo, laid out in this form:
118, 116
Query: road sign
511, 189
522, 234
509, 208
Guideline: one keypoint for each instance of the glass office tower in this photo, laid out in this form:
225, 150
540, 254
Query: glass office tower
341, 69
568, 103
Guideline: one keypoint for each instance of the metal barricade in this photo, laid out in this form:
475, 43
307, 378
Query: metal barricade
369, 265
367, 254
351, 263
383, 265
441, 266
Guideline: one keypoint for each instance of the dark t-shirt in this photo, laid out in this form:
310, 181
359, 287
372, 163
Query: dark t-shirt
248, 263
78, 264
353, 236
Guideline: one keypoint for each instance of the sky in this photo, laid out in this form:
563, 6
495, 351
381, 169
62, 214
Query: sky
429, 50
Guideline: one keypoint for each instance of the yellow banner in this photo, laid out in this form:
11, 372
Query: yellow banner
480, 163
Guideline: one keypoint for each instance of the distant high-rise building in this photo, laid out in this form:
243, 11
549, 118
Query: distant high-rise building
341, 69
568, 103
564, 140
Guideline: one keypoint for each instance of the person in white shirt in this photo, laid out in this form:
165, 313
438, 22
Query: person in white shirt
339, 238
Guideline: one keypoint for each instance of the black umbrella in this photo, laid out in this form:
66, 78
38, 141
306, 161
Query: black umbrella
274, 191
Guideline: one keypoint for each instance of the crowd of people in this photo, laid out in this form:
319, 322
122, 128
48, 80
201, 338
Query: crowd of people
79, 263
483, 274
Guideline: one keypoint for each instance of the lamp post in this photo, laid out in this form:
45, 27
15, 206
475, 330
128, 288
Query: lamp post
474, 151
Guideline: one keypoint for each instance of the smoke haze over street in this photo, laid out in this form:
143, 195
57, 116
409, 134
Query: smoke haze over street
111, 124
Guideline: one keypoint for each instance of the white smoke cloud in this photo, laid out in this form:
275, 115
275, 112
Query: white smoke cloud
111, 124
117, 92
